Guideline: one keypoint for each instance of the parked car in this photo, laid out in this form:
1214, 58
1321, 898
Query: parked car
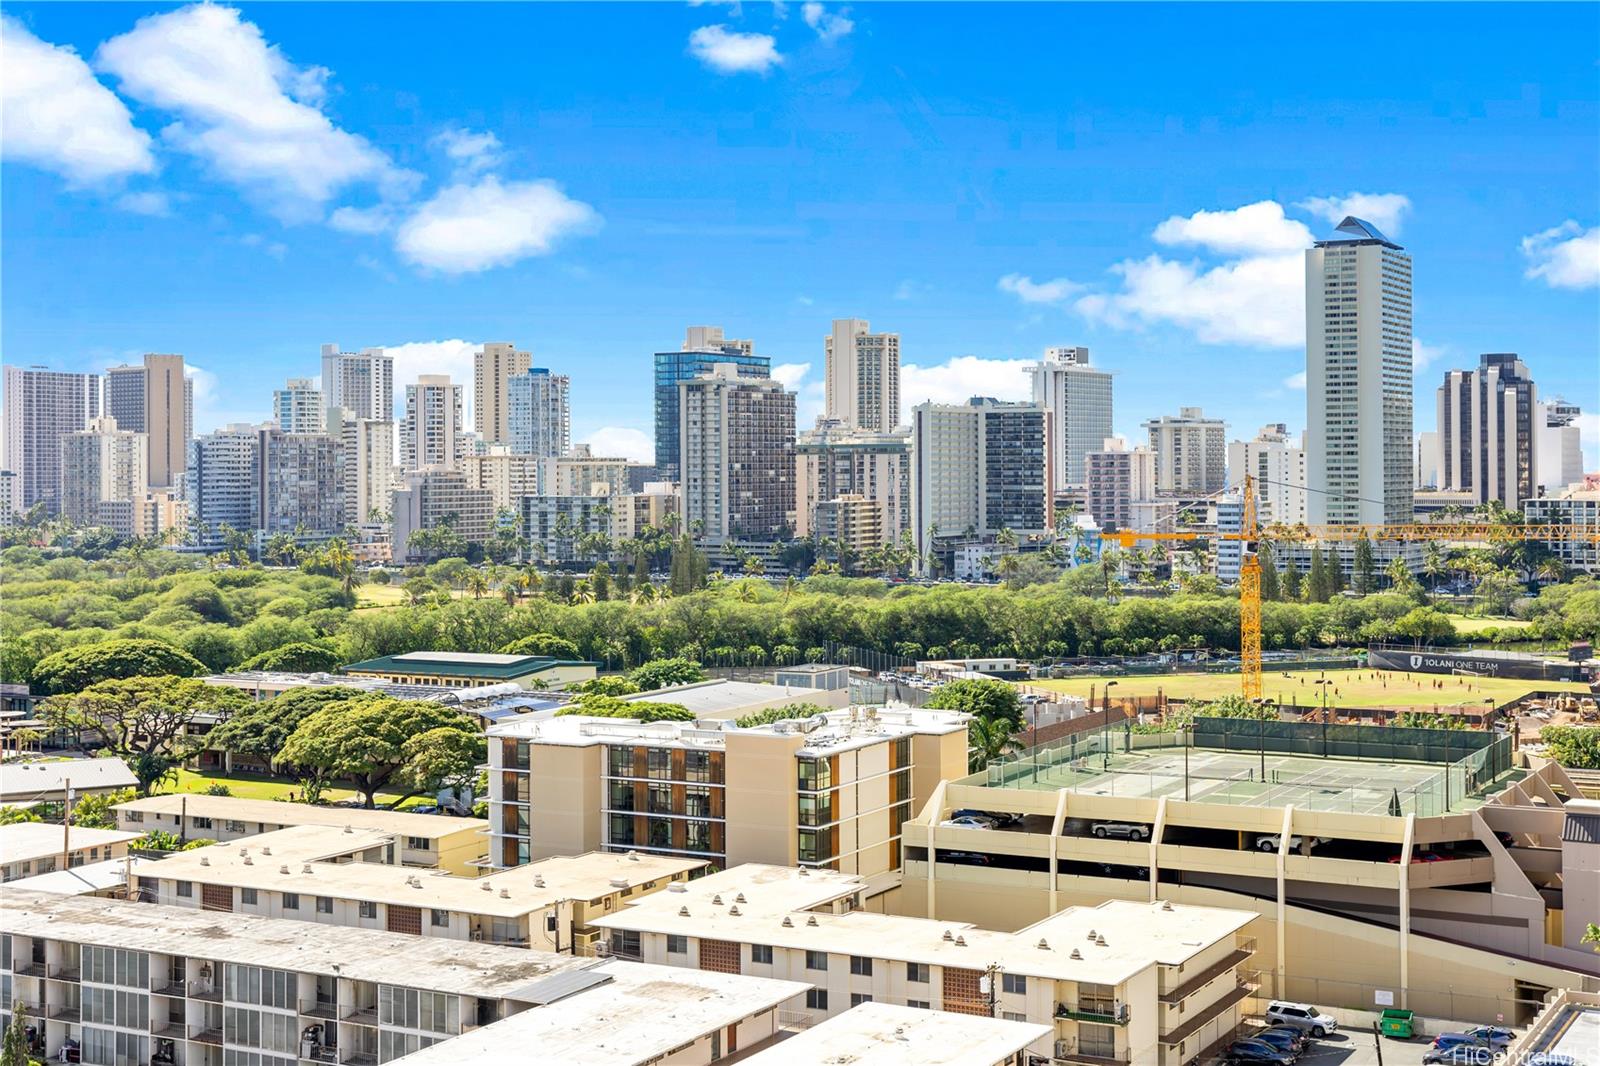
996, 819
1496, 1036
1269, 842
1302, 1016
1300, 1037
968, 821
1256, 1051
1445, 1041
1460, 1055
1130, 830
966, 858
1280, 1039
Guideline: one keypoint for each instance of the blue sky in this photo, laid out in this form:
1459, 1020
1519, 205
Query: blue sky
242, 184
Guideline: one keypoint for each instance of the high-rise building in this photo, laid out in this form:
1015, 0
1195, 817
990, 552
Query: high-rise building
1191, 452
300, 484
832, 461
703, 348
582, 473
1078, 398
431, 435
1358, 378
1115, 477
220, 483
361, 382
493, 365
554, 526
1278, 463
168, 417
368, 468
1488, 435
978, 468
103, 473
737, 443
1426, 463
1558, 455
428, 498
506, 475
539, 413
125, 397
862, 376
41, 407
297, 407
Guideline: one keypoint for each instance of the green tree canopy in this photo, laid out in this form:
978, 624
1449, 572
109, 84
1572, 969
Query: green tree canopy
262, 729
75, 669
611, 685
547, 644
602, 706
369, 741
988, 739
297, 657
144, 721
1577, 746
1429, 720
787, 713
662, 673
95, 811
986, 698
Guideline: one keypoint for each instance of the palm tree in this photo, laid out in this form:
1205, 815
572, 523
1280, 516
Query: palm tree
1006, 538
988, 739
1432, 564
341, 562
791, 585
1551, 570
476, 583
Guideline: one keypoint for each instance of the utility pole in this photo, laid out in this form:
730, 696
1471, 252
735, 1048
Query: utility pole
1377, 1042
66, 824
1105, 728
990, 976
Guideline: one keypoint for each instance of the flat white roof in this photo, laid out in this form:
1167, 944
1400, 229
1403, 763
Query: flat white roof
637, 1017
432, 963
881, 1034
260, 862
26, 841
1136, 935
400, 823
83, 880
710, 699
40, 778
477, 658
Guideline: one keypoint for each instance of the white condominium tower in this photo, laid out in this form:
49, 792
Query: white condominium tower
1358, 378
1488, 431
1078, 398
1278, 463
862, 376
297, 407
539, 413
978, 468
493, 365
368, 476
41, 407
103, 472
737, 443
431, 435
360, 382
1191, 452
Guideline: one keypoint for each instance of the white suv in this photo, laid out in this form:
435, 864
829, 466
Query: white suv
1302, 1016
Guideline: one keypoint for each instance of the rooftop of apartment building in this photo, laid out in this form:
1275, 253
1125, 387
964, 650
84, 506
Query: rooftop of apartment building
1569, 1025
723, 698
104, 876
629, 1015
279, 861
825, 734
439, 965
881, 1034
1107, 944
762, 890
486, 701
462, 664
26, 841
22, 782
272, 812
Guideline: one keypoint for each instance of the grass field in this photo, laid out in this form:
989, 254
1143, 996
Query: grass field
253, 786
370, 595
1350, 688
1465, 624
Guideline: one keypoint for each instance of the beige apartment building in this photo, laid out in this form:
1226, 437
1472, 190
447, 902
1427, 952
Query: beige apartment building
347, 877
1150, 983
492, 366
1433, 868
103, 475
30, 848
579, 472
826, 792
429, 841
506, 477
877, 1034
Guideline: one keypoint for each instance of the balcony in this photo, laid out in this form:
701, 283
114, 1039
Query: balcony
32, 969
65, 1013
65, 973
322, 1053
1066, 1052
1098, 1013
1209, 974
367, 1016
1183, 1032
208, 1036
320, 1011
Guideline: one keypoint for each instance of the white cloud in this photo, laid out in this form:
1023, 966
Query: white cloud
154, 204
277, 249
1295, 381
734, 53
1024, 288
829, 27
1257, 301
468, 228
810, 397
1565, 256
1255, 228
1386, 210
453, 357
470, 151
1422, 355
612, 441
209, 398
245, 109
363, 220
958, 380
57, 116
911, 289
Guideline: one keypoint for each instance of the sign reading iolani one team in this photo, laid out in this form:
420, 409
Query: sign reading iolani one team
1434, 662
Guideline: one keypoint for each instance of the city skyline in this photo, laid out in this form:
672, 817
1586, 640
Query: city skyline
1050, 222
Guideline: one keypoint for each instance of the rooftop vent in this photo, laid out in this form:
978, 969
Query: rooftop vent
414, 881
740, 898
306, 868
619, 882
633, 856
248, 861
787, 924
948, 935
734, 910
683, 912
244, 851
804, 872
266, 850
505, 893
812, 920
1100, 941
486, 886
677, 886
1166, 904
717, 899
204, 861
348, 829
1043, 944
538, 881
1091, 934
961, 941
1076, 954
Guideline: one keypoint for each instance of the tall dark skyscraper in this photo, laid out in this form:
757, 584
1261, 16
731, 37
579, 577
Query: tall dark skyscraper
703, 348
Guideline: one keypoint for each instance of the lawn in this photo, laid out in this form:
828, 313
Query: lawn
254, 786
374, 595
1350, 688
1465, 624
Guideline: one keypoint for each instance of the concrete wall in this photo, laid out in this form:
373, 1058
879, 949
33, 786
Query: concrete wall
762, 802
566, 793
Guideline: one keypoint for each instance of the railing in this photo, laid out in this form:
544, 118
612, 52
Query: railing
1117, 1015
1067, 1051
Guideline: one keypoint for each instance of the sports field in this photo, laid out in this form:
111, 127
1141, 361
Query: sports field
1350, 688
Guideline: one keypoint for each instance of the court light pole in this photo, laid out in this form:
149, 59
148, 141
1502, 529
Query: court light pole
1323, 685
1105, 728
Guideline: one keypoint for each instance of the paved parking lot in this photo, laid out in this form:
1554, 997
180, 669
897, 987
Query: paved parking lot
1356, 1049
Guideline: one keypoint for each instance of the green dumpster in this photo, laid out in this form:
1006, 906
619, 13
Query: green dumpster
1397, 1023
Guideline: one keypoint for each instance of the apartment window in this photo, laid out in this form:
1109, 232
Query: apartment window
660, 830
291, 901
816, 960
1014, 1016
324, 904
917, 972
697, 766
816, 809
861, 966
1014, 983
761, 954
200, 822
133, 816
658, 764
815, 775
417, 843
813, 845
620, 761
621, 829
697, 800
697, 836
186, 889
549, 923
439, 919
921, 1004
661, 799
621, 793
247, 897
677, 945
625, 943
816, 999
367, 909
858, 998
233, 826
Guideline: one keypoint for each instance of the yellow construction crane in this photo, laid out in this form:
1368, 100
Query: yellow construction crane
1250, 566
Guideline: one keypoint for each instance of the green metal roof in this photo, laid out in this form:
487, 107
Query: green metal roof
462, 664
